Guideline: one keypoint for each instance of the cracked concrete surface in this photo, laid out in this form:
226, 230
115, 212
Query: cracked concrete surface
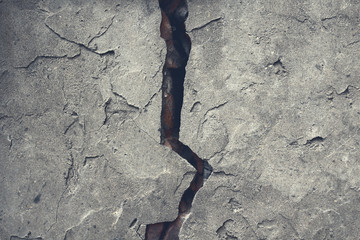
178, 47
271, 100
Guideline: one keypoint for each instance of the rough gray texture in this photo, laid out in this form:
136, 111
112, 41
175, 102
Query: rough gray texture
271, 100
80, 152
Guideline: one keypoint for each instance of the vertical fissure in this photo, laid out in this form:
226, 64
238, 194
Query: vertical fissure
178, 44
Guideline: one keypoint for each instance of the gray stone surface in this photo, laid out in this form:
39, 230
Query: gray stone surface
80, 152
271, 100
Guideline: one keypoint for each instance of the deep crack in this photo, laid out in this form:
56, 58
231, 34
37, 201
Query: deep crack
178, 44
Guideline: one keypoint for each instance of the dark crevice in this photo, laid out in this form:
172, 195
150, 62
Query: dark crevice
352, 43
133, 223
345, 91
222, 173
118, 105
106, 106
277, 67
207, 24
181, 181
89, 158
196, 107
315, 140
110, 53
224, 233
27, 237
70, 171
178, 44
101, 34
123, 98
38, 58
71, 124
37, 198
83, 46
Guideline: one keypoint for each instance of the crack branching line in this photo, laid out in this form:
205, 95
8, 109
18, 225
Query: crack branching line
81, 45
178, 44
206, 24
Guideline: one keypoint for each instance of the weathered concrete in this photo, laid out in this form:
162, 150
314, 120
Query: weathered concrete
273, 102
271, 99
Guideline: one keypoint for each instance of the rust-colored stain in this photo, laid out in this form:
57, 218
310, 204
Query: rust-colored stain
178, 44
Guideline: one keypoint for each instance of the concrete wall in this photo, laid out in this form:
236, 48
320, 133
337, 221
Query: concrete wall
271, 100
